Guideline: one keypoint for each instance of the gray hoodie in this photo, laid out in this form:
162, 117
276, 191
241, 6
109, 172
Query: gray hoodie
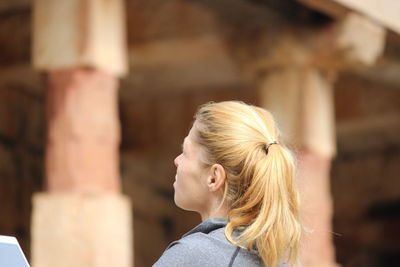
206, 245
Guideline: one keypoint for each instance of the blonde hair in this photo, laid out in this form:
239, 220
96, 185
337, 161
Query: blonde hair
260, 187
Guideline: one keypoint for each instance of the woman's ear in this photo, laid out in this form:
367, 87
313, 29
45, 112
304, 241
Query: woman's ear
216, 179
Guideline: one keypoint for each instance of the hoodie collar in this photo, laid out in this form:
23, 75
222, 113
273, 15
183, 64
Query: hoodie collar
208, 226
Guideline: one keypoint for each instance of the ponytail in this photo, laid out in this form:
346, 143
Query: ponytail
268, 210
260, 185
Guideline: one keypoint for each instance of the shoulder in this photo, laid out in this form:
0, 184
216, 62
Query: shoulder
200, 249
193, 250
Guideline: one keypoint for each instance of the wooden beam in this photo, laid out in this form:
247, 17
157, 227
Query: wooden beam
372, 133
329, 7
182, 63
385, 72
31, 82
385, 12
15, 36
9, 5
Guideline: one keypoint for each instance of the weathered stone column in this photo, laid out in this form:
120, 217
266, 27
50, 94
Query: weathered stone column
299, 92
83, 131
81, 219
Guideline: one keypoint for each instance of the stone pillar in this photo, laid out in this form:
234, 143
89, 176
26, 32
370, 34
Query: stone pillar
83, 131
298, 90
81, 219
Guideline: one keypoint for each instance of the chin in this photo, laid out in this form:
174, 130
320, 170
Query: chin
179, 203
176, 199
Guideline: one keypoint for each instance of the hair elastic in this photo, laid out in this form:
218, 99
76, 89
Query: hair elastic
270, 144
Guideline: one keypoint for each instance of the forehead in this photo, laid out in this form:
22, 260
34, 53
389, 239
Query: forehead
189, 142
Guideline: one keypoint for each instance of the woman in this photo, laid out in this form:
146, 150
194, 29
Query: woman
236, 173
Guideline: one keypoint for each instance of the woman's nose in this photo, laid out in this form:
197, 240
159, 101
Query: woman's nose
176, 161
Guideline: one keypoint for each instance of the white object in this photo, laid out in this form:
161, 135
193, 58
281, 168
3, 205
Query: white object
11, 254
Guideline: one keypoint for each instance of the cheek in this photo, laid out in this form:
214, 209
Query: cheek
182, 179
186, 187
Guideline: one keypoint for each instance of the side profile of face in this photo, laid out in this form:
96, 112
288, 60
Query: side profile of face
191, 189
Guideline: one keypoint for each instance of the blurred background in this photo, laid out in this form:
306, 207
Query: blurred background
328, 69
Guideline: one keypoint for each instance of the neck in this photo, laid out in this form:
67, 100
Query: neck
216, 211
